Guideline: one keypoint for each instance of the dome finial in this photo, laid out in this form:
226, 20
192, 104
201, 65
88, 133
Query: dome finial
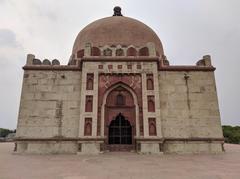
117, 11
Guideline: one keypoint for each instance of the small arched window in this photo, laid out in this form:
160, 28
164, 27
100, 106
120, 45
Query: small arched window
89, 104
119, 52
120, 100
150, 85
107, 52
95, 51
151, 104
89, 85
144, 51
152, 127
88, 127
80, 53
131, 51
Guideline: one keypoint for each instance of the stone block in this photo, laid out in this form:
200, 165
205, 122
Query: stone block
47, 147
192, 147
30, 58
90, 148
150, 147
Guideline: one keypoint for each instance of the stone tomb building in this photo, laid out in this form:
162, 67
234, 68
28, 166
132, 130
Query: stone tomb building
118, 93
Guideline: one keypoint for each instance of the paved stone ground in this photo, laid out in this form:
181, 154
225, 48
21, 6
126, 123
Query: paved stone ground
120, 165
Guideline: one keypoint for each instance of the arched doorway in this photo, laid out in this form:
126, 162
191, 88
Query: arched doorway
120, 110
120, 131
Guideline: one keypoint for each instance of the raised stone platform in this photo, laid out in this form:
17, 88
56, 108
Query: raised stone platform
120, 165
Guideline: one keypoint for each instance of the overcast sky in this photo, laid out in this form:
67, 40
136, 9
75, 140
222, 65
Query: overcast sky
188, 30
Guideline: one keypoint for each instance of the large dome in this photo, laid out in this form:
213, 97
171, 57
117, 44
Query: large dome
117, 30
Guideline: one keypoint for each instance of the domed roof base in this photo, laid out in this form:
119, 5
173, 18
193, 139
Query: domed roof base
117, 30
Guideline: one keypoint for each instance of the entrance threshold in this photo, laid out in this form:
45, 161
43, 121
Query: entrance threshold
120, 148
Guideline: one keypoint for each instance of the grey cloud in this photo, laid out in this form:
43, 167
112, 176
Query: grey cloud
7, 38
11, 60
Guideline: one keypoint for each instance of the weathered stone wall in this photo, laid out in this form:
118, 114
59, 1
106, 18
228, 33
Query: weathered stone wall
183, 147
189, 106
47, 147
53, 106
50, 104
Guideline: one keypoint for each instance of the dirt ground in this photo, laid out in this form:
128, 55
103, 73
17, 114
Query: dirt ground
120, 165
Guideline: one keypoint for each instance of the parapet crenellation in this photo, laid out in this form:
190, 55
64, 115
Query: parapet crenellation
76, 64
205, 61
204, 64
31, 60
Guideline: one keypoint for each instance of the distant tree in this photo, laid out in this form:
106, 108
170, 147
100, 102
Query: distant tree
231, 134
5, 132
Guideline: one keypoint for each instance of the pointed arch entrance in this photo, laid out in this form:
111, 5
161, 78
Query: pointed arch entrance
120, 117
120, 131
